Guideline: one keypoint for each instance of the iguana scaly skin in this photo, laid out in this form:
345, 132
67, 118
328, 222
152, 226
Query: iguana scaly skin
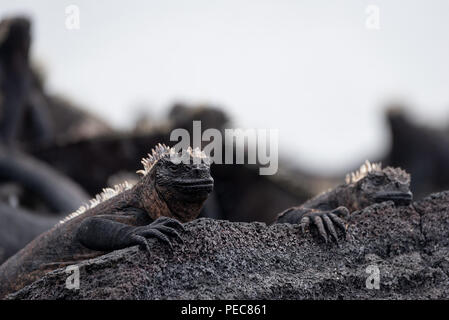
167, 193
371, 184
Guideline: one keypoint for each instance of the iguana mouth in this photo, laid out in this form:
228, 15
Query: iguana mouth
195, 185
398, 197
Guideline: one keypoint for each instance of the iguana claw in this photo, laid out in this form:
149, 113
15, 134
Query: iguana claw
324, 221
163, 229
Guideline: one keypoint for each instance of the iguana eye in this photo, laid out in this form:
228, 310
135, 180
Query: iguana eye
173, 168
378, 180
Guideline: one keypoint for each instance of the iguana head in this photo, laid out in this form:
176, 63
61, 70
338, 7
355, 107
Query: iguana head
183, 183
372, 184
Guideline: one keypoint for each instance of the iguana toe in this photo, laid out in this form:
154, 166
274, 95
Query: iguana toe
319, 224
338, 221
162, 233
330, 227
325, 221
140, 241
169, 231
341, 211
169, 222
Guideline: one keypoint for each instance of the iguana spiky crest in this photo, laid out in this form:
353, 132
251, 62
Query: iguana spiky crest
162, 151
106, 194
159, 152
365, 168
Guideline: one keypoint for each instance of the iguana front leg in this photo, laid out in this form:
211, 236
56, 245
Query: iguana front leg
324, 220
100, 233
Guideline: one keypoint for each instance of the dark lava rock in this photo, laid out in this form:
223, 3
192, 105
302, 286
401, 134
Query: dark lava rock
226, 260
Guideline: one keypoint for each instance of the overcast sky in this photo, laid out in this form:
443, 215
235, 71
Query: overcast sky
308, 68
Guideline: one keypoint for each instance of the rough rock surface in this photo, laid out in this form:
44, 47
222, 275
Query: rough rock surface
224, 260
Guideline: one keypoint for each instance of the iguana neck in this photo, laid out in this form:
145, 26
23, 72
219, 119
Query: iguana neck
342, 195
149, 199
186, 212
153, 202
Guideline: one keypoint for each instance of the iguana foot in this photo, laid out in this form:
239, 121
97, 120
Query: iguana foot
325, 221
163, 229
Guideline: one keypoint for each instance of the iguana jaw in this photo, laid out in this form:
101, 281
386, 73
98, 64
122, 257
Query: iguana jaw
184, 201
195, 185
194, 191
398, 197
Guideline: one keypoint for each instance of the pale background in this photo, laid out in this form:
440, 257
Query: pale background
308, 68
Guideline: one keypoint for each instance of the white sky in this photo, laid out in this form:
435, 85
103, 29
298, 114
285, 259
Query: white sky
308, 68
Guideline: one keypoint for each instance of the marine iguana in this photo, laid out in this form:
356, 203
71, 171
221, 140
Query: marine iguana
170, 192
371, 184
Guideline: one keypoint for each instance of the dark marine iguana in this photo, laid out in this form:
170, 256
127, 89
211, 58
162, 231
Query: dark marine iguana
170, 192
371, 184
